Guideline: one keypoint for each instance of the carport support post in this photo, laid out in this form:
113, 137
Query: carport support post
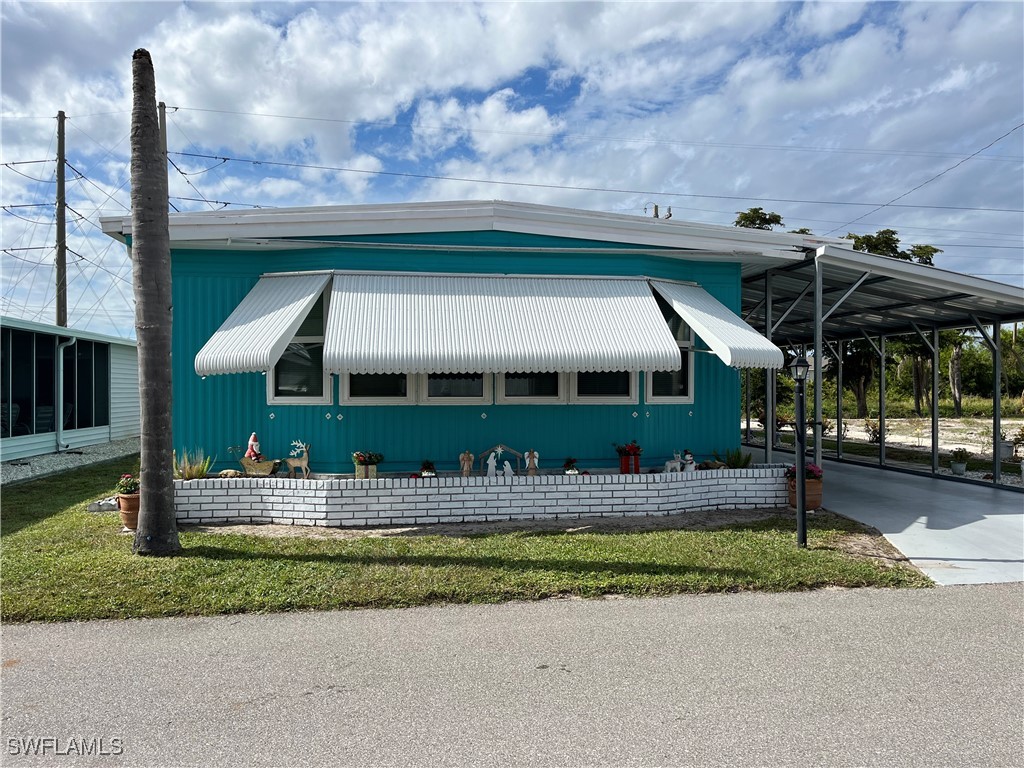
818, 269
881, 400
935, 400
997, 402
839, 400
769, 375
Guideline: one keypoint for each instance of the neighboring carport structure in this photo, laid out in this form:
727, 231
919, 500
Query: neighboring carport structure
836, 295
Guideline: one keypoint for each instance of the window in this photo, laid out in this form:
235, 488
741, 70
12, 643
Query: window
603, 387
674, 386
544, 387
378, 389
456, 388
84, 383
46, 382
28, 401
299, 377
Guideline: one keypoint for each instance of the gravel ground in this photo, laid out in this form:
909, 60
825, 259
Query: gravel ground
19, 470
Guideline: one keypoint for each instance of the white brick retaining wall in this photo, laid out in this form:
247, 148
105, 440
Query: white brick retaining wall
407, 501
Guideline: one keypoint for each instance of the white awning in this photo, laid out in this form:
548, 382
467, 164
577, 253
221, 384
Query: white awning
735, 342
407, 323
255, 335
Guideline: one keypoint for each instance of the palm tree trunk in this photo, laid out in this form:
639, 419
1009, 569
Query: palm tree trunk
157, 532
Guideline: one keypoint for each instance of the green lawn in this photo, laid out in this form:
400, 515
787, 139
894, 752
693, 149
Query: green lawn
60, 562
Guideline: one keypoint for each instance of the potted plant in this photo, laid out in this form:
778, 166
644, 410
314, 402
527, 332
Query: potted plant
812, 485
958, 460
569, 465
127, 490
366, 464
427, 469
629, 457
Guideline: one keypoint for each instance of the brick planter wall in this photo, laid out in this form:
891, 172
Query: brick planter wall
407, 501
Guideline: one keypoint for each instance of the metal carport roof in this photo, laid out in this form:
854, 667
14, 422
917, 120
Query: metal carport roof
867, 294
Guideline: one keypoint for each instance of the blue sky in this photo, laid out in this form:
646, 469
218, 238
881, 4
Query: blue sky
710, 108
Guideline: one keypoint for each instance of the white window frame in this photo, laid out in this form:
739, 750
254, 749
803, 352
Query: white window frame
501, 398
684, 347
485, 399
578, 399
411, 387
328, 396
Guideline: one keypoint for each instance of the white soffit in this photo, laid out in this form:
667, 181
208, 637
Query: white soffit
255, 335
735, 342
402, 323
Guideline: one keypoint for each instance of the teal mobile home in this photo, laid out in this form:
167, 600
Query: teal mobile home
420, 331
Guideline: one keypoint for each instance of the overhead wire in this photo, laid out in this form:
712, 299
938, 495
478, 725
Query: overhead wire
578, 188
929, 181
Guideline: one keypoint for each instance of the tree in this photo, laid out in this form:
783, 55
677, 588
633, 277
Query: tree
157, 532
886, 242
757, 218
801, 231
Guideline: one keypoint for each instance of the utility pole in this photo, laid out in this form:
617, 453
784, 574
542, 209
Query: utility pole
62, 245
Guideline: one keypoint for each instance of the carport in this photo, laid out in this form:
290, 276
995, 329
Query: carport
836, 295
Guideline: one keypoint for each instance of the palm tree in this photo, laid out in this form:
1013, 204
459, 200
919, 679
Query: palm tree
157, 532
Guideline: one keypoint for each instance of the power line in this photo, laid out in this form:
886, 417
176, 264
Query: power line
929, 181
583, 188
591, 137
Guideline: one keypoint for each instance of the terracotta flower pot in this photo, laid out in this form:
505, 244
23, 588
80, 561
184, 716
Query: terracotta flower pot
128, 506
812, 490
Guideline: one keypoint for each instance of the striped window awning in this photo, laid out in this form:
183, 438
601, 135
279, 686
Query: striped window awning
424, 323
728, 336
407, 323
256, 334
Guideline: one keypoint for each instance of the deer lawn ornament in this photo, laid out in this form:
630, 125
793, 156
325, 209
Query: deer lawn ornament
299, 462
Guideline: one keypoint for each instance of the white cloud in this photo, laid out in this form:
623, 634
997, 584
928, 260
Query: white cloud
665, 99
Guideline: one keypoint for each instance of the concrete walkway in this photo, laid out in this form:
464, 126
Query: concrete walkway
955, 532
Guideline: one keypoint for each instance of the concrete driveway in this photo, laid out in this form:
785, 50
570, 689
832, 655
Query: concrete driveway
956, 533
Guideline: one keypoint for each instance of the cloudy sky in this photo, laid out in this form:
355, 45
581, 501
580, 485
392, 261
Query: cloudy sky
822, 112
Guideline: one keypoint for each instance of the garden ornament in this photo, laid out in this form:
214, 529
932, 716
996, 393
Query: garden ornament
675, 464
253, 451
507, 470
466, 463
492, 465
531, 462
689, 465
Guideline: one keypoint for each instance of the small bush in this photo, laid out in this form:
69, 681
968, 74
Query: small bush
874, 430
193, 466
735, 459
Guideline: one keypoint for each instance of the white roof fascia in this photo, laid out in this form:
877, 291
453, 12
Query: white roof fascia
258, 331
339, 221
60, 330
409, 323
922, 274
728, 336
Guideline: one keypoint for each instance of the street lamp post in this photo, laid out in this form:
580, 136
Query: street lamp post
798, 368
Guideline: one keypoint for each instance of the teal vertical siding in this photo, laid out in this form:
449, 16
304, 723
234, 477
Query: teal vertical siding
221, 411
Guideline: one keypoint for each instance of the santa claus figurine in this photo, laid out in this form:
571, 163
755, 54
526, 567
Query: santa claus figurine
253, 452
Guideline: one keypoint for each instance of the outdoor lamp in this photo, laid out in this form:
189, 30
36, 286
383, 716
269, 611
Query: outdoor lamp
799, 368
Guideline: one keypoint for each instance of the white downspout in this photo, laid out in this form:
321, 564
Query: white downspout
58, 408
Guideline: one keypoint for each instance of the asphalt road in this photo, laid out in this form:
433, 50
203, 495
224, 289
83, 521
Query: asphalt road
830, 678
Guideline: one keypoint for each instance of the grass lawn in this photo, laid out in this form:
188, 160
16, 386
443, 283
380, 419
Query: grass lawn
60, 562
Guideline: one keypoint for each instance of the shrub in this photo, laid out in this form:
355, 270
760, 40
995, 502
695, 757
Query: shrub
193, 466
874, 430
735, 459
